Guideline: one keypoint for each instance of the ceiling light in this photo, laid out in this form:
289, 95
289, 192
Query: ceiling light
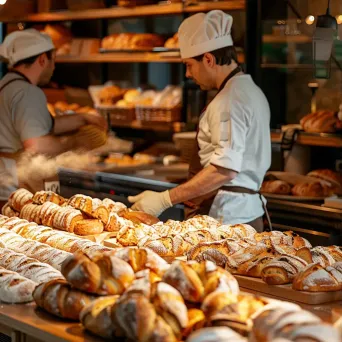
2, 2
339, 19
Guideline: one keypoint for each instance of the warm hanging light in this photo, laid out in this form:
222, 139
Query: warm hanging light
310, 19
2, 2
339, 19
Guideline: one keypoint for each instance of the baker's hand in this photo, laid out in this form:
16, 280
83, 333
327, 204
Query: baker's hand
96, 120
151, 202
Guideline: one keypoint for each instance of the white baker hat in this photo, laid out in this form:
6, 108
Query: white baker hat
203, 33
20, 45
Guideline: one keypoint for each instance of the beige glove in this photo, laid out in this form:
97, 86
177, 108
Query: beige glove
151, 202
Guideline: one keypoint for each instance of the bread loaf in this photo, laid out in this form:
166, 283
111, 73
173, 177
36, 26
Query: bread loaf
322, 256
183, 278
169, 304
137, 317
8, 211
112, 206
138, 217
88, 227
196, 321
99, 211
31, 213
19, 198
216, 334
142, 258
104, 274
82, 202
96, 317
47, 212
315, 278
60, 299
115, 223
40, 197
276, 187
312, 190
323, 121
282, 269
34, 249
66, 218
15, 288
203, 222
27, 267
130, 235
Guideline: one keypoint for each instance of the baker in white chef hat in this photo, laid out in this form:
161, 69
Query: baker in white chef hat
26, 124
233, 147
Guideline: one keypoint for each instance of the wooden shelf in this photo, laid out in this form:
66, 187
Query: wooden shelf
231, 5
103, 13
122, 12
312, 139
286, 66
300, 39
121, 57
153, 126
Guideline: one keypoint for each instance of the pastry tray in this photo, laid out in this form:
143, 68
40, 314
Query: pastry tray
285, 292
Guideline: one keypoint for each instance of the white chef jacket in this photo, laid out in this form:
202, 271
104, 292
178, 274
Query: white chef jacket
234, 133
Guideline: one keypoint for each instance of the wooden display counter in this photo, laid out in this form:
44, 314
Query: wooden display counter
24, 322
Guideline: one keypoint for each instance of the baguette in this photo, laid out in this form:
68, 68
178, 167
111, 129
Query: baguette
27, 267
102, 274
60, 299
14, 288
19, 198
34, 249
40, 197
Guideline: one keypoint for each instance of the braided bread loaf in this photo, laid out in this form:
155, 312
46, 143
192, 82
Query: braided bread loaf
102, 274
27, 267
34, 249
31, 213
19, 198
59, 298
66, 219
15, 288
315, 278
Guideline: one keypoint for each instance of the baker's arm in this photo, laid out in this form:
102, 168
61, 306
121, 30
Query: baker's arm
209, 179
48, 144
68, 123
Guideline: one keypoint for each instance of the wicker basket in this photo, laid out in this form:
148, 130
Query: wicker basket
156, 114
185, 143
118, 114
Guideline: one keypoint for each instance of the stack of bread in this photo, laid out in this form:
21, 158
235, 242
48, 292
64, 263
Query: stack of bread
145, 299
63, 108
132, 41
328, 183
80, 214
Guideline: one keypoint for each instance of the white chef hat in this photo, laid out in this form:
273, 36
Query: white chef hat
20, 45
203, 33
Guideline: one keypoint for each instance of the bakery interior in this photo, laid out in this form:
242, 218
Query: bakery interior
108, 273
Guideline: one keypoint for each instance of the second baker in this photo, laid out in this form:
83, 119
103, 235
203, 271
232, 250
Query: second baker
233, 147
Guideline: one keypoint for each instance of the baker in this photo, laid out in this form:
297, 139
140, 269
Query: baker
233, 148
26, 124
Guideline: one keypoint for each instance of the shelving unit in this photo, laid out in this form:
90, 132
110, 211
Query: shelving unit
122, 12
153, 126
312, 139
299, 39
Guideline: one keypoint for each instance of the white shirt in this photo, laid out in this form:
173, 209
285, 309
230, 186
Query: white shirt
234, 133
